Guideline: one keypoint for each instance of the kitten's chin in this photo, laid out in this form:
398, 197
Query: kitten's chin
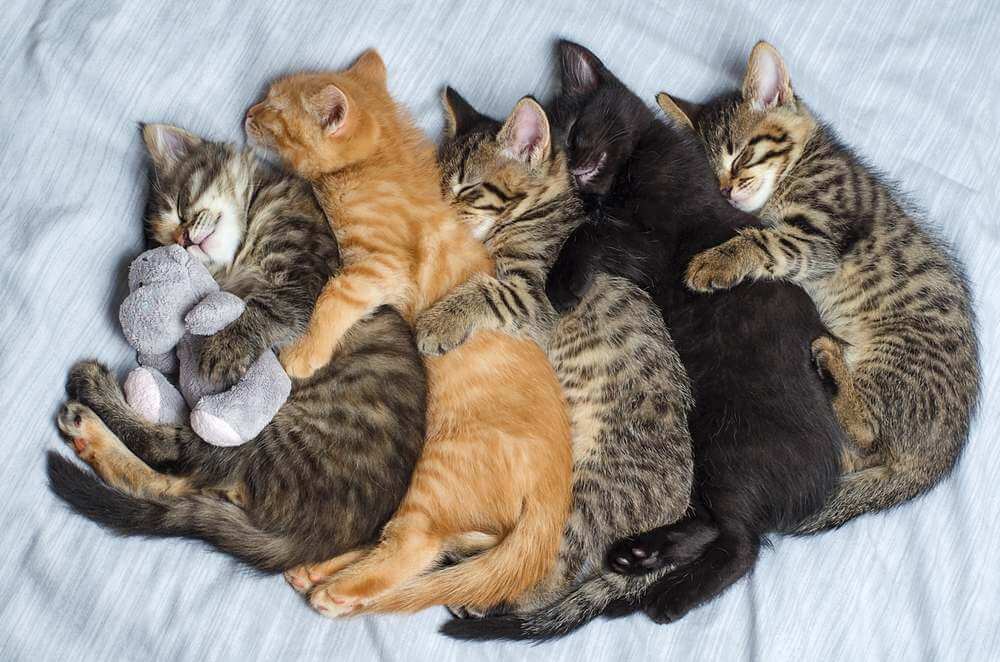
753, 201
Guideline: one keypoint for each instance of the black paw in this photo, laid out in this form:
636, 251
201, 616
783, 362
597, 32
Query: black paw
634, 556
664, 607
90, 382
225, 357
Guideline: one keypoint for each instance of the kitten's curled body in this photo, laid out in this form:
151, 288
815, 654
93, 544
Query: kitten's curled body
766, 440
329, 470
904, 359
494, 477
627, 392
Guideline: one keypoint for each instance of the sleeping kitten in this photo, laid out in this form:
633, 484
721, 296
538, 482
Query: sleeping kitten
902, 351
765, 436
330, 469
628, 394
494, 476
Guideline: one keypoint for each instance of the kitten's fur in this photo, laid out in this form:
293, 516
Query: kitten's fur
494, 476
628, 394
903, 355
330, 469
766, 440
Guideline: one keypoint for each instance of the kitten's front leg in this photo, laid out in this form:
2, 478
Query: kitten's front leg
446, 324
727, 265
347, 298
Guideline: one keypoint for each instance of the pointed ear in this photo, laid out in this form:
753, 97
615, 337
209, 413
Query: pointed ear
766, 83
525, 135
329, 107
684, 113
168, 145
582, 71
459, 115
370, 66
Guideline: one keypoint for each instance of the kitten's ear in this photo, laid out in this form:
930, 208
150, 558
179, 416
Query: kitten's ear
581, 70
766, 83
684, 113
329, 107
525, 135
370, 66
459, 115
168, 145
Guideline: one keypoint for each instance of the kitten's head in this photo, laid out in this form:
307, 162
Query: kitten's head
199, 195
600, 118
755, 137
322, 122
492, 170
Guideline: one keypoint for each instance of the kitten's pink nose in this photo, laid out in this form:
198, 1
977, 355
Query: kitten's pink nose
726, 190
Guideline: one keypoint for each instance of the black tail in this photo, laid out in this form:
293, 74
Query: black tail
217, 522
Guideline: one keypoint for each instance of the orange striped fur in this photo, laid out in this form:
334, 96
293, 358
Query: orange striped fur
494, 476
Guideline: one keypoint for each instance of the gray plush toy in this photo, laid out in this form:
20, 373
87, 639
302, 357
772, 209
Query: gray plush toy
175, 303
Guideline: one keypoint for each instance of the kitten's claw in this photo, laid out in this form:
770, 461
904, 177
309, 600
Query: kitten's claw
715, 269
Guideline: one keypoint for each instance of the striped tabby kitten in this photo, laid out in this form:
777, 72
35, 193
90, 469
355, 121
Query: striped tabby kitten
627, 391
330, 469
903, 355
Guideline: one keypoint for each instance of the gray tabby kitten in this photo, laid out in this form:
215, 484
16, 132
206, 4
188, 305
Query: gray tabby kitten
329, 470
627, 392
904, 356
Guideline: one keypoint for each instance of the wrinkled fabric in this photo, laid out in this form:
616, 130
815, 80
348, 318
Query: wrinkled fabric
914, 85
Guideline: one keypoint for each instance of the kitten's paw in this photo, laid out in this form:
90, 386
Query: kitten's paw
439, 331
90, 382
333, 605
225, 357
664, 606
827, 356
305, 577
301, 360
83, 429
718, 268
634, 556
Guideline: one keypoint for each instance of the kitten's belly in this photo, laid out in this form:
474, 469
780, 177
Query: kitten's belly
840, 311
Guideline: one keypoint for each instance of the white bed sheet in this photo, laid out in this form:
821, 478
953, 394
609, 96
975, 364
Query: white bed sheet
914, 84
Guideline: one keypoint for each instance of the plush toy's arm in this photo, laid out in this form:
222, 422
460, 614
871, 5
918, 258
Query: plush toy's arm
165, 363
214, 313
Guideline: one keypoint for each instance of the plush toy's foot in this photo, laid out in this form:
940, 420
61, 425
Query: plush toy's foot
213, 429
238, 415
153, 397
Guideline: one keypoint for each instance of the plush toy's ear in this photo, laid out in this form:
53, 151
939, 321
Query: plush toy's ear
370, 66
766, 83
525, 135
329, 106
168, 145
581, 70
459, 115
684, 113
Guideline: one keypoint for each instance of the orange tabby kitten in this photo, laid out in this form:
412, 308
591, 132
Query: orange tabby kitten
494, 477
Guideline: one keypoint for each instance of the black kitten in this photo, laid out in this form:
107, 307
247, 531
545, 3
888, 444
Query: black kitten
765, 436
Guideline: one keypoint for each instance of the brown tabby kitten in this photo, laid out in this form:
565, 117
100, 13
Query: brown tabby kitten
329, 470
627, 391
903, 355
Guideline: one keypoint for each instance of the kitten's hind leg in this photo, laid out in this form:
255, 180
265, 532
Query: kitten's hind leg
169, 448
99, 447
828, 355
671, 545
407, 549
